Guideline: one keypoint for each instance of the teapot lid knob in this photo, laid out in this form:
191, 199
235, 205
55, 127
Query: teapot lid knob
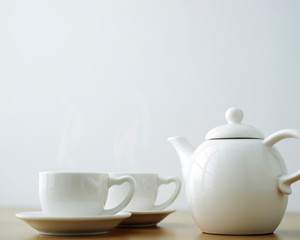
234, 129
234, 115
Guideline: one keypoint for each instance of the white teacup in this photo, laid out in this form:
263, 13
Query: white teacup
65, 194
145, 194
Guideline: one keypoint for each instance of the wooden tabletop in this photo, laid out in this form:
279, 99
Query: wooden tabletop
178, 225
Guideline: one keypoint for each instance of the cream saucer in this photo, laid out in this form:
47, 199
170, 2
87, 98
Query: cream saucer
145, 218
88, 225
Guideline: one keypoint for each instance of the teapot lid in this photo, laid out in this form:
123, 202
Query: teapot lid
234, 128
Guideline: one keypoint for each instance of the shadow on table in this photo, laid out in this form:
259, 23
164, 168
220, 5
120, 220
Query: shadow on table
273, 236
118, 233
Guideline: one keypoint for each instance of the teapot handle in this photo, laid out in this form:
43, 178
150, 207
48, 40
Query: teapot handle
285, 181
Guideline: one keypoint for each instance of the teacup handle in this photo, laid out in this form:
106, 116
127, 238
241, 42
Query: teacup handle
168, 180
118, 181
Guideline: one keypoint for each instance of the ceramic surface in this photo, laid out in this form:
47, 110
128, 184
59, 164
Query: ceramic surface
236, 181
80, 194
145, 194
74, 226
145, 219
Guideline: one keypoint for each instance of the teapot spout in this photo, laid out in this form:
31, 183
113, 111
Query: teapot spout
184, 150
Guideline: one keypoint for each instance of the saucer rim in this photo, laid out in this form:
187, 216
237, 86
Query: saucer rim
73, 234
145, 219
39, 215
149, 212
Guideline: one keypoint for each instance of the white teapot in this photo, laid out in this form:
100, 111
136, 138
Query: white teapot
236, 181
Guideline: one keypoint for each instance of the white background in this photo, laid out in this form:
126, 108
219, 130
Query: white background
99, 85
